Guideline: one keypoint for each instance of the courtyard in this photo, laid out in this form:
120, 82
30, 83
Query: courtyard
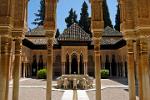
35, 89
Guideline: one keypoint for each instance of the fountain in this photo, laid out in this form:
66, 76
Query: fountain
74, 82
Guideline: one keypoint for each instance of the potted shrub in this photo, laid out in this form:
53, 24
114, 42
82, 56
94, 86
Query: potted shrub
41, 74
104, 73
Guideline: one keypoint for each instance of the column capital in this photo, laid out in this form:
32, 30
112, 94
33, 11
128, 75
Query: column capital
18, 33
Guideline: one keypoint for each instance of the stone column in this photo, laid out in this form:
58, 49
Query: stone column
124, 74
24, 69
86, 68
139, 68
63, 68
9, 65
17, 66
97, 26
144, 70
50, 27
97, 70
49, 66
5, 35
4, 66
110, 69
131, 70
69, 67
78, 66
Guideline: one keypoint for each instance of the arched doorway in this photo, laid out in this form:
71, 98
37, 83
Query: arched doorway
74, 64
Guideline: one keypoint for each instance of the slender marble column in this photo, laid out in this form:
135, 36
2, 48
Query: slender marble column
24, 69
79, 67
17, 66
84, 68
4, 65
69, 67
144, 71
63, 68
131, 70
140, 84
124, 74
97, 75
110, 70
49, 68
8, 67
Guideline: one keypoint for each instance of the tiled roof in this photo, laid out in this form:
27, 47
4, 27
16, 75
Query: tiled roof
74, 33
108, 31
40, 41
110, 41
110, 36
36, 31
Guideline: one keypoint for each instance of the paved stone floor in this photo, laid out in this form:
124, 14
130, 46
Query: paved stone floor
33, 89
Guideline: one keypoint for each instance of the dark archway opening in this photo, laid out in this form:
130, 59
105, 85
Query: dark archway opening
34, 66
40, 63
114, 66
74, 65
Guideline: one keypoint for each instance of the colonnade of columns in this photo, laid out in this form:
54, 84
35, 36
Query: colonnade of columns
115, 65
12, 27
78, 67
136, 28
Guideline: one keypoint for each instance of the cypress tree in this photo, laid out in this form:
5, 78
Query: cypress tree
117, 20
57, 33
106, 16
72, 18
40, 15
84, 21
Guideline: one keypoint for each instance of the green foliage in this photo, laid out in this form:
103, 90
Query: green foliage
40, 14
117, 20
41, 74
106, 16
84, 21
72, 18
57, 33
104, 73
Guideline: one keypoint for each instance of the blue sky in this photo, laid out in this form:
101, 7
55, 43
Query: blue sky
63, 8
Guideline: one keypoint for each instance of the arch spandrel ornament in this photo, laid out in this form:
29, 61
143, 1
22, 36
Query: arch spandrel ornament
74, 49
